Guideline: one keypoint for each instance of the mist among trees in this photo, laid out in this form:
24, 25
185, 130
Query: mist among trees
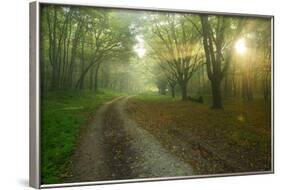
175, 54
199, 84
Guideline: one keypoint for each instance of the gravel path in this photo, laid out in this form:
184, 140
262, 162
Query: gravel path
114, 148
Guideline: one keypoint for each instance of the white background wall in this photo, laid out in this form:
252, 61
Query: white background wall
14, 94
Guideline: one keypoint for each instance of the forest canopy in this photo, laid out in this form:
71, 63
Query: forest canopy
112, 79
134, 51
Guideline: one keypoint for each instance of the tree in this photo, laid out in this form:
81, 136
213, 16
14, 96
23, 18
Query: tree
217, 50
174, 44
56, 25
111, 36
172, 81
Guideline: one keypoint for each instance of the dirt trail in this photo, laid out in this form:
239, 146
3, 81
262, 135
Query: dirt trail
114, 148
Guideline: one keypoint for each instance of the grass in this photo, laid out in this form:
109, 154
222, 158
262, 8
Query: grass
235, 139
155, 97
62, 116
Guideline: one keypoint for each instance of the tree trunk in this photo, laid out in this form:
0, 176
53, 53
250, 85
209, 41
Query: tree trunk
216, 92
96, 77
183, 91
247, 91
55, 78
162, 90
75, 43
227, 87
83, 64
91, 78
173, 91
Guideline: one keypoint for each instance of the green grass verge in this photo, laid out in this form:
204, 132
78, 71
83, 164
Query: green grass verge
155, 97
62, 116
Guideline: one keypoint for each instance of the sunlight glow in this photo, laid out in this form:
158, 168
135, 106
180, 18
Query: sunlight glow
240, 46
139, 47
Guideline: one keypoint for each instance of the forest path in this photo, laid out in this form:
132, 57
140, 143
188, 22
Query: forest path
114, 148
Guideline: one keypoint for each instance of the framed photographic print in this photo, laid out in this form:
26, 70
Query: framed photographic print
129, 94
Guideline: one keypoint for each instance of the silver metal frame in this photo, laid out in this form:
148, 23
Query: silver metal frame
34, 132
34, 97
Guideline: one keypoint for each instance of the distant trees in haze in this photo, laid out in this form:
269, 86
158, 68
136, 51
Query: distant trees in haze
182, 43
174, 44
76, 41
186, 54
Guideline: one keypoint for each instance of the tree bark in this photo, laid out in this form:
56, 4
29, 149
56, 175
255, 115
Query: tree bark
213, 62
227, 87
173, 91
216, 92
96, 77
75, 43
183, 91
247, 91
91, 78
81, 85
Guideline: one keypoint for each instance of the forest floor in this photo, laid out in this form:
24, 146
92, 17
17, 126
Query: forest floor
87, 137
235, 139
113, 147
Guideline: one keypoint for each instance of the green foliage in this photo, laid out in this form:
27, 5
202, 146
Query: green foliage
77, 40
62, 116
93, 48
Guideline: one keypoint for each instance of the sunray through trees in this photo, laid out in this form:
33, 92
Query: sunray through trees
199, 84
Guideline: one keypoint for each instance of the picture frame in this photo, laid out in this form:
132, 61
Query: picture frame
36, 93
